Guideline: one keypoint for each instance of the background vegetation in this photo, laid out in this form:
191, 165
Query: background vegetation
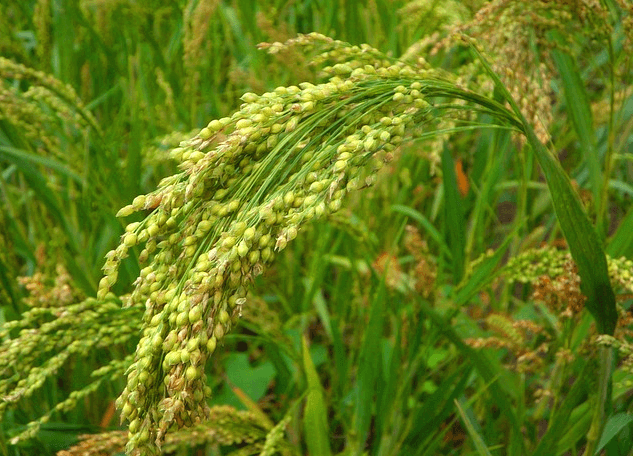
437, 312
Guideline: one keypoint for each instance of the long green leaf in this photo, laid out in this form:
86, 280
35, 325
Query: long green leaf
425, 224
559, 423
61, 168
486, 370
583, 241
481, 276
454, 220
580, 112
369, 367
614, 426
580, 420
315, 413
471, 427
581, 236
436, 408
622, 241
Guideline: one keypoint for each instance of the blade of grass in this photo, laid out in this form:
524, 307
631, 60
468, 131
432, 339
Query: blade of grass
425, 224
490, 160
559, 423
481, 276
315, 423
621, 242
389, 420
579, 110
62, 169
252, 407
616, 424
369, 368
586, 250
471, 427
38, 183
580, 420
454, 217
498, 390
605, 361
437, 407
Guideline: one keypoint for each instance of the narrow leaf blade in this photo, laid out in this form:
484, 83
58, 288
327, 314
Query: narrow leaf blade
315, 414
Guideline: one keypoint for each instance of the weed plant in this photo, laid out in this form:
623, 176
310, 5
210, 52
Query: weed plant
418, 243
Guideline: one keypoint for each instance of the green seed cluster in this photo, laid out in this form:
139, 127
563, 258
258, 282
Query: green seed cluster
621, 273
108, 373
275, 437
105, 443
338, 58
157, 152
532, 264
57, 335
338, 53
226, 426
46, 101
248, 184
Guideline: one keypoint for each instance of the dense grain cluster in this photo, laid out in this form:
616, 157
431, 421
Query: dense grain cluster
248, 184
531, 265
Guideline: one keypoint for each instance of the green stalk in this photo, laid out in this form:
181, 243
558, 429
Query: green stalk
609, 157
605, 361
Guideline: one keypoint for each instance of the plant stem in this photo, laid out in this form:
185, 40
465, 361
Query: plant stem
602, 222
605, 361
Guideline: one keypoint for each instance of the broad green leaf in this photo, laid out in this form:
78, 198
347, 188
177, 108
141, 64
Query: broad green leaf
613, 427
252, 381
579, 111
581, 236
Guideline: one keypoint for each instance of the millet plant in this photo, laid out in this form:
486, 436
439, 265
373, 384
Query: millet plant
249, 184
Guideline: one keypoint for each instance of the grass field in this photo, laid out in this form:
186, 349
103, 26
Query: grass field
316, 228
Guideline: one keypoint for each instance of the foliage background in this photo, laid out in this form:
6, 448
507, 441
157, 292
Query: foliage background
95, 93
